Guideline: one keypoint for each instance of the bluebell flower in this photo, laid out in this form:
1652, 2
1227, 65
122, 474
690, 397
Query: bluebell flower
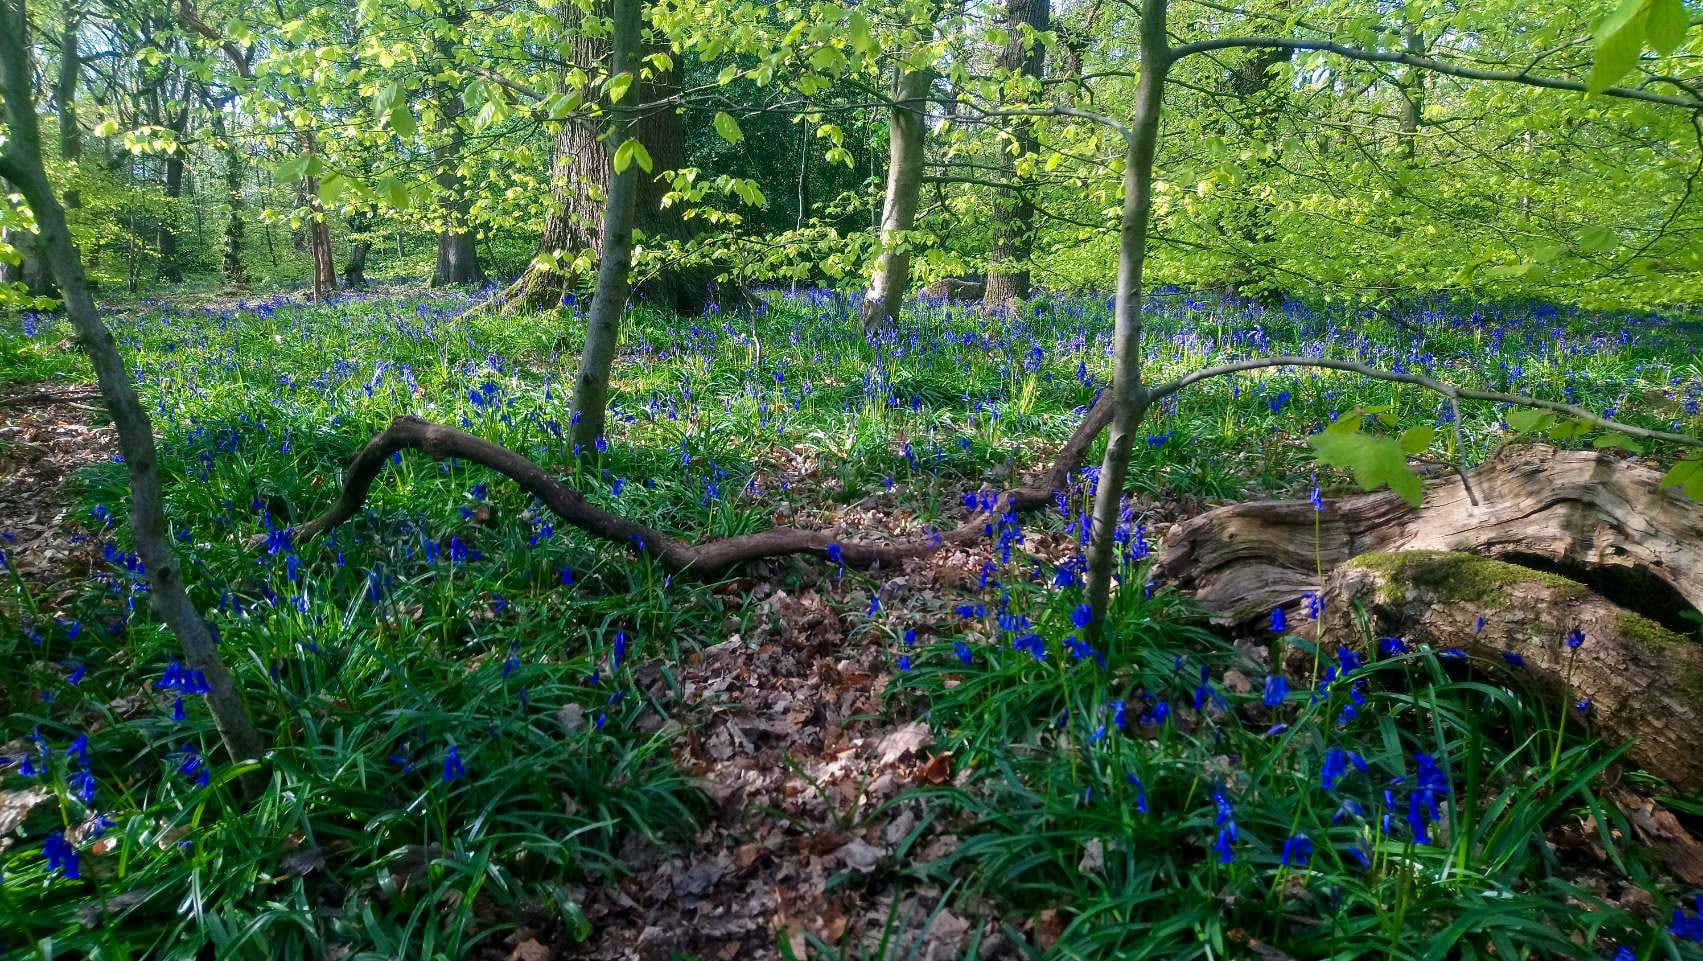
1623, 953
1279, 623
83, 783
1297, 851
1140, 792
1391, 646
1514, 658
1033, 644
904, 662
192, 767
837, 556
60, 856
620, 653
1227, 832
78, 750
1276, 690
1575, 637
1688, 927
452, 766
1315, 605
1082, 616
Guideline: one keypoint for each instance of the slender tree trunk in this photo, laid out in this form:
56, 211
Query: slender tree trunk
318, 231
1014, 212
65, 97
1129, 396
614, 285
891, 279
21, 163
230, 259
1412, 97
166, 240
458, 256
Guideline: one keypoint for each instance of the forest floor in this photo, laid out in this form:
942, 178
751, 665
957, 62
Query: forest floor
503, 740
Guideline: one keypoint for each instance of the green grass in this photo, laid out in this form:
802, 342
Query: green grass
442, 616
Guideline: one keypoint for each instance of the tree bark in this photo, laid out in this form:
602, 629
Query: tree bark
318, 231
65, 97
1589, 513
1014, 211
166, 238
458, 256
614, 265
1643, 683
355, 270
21, 163
230, 258
1129, 397
907, 138
579, 184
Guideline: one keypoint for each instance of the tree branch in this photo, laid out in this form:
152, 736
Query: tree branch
706, 559
1427, 63
1448, 390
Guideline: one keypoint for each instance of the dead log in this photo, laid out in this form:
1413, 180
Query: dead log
1590, 514
1630, 679
710, 557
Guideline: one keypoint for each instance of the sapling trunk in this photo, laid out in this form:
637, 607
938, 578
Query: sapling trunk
892, 276
1129, 397
21, 163
614, 267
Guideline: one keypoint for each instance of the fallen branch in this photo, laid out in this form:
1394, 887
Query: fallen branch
706, 559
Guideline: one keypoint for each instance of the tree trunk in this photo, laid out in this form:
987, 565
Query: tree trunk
166, 240
1639, 679
65, 97
458, 256
230, 259
579, 184
1590, 514
614, 285
318, 231
1129, 397
1412, 97
1014, 212
891, 279
355, 270
21, 163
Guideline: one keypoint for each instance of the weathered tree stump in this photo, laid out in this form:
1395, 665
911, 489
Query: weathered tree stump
1643, 683
1595, 516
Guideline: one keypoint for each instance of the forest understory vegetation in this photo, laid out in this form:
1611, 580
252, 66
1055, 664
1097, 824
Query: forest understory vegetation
472, 709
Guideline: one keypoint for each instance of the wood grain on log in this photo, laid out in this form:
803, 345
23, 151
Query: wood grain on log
1644, 683
1578, 510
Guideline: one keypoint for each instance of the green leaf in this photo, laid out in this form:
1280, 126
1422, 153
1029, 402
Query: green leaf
1529, 419
1373, 460
1665, 29
401, 120
728, 127
290, 171
1417, 440
1687, 475
1597, 240
1619, 38
394, 192
1619, 441
1570, 428
331, 187
629, 152
618, 85
857, 30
